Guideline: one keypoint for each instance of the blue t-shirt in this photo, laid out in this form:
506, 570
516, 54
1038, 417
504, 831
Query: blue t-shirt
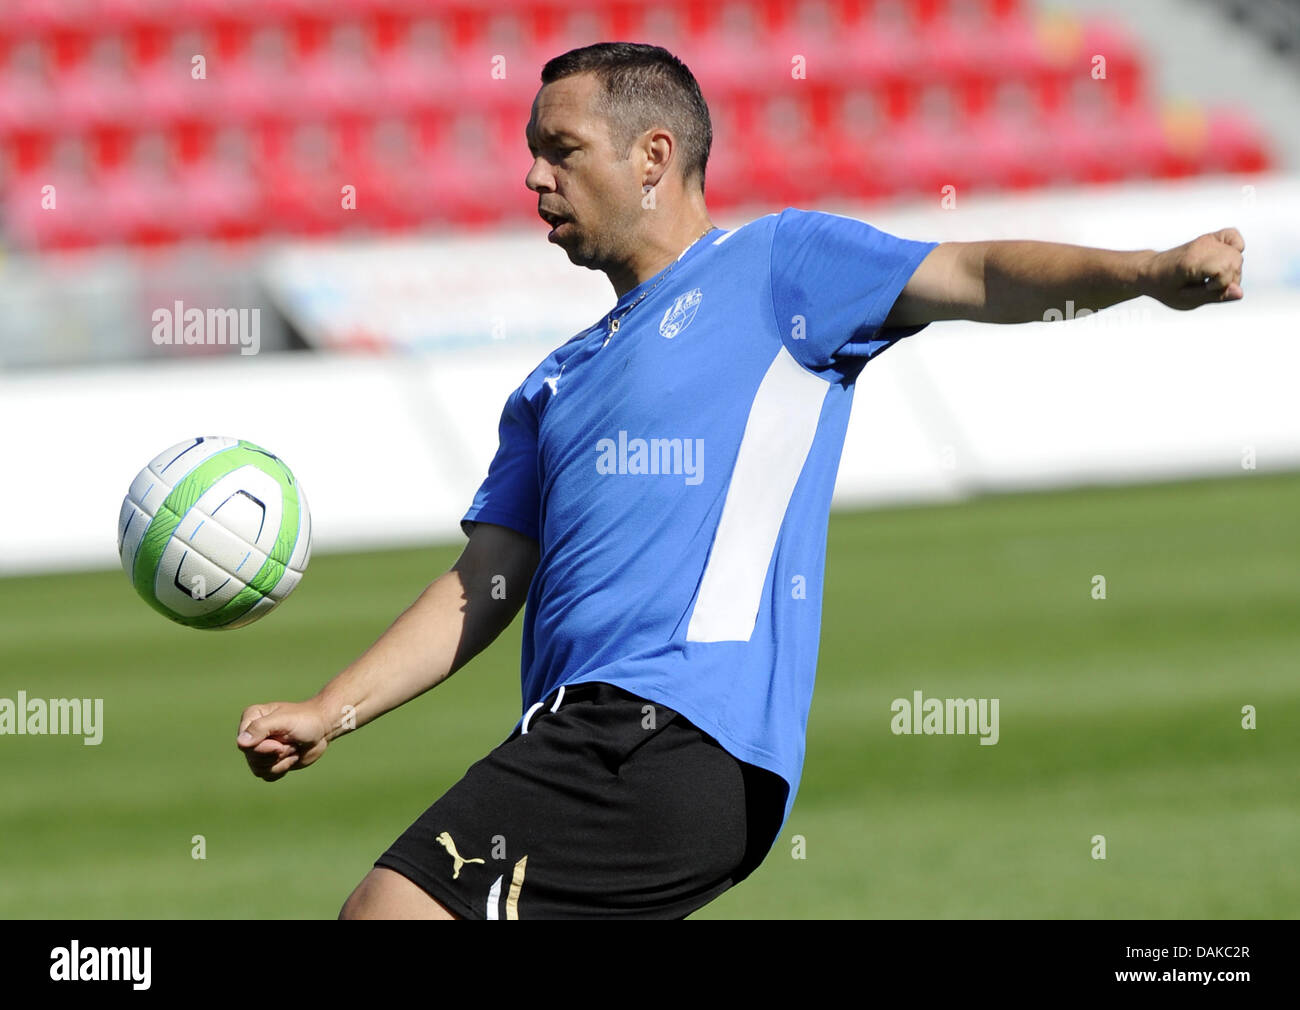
677, 474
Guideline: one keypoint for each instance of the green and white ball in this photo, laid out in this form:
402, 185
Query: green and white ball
214, 532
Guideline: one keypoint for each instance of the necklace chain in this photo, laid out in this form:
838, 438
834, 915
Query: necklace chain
614, 324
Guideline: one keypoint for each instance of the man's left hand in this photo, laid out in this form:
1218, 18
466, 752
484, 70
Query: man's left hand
1206, 269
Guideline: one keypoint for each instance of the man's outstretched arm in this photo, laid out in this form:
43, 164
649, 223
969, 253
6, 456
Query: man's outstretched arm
1019, 282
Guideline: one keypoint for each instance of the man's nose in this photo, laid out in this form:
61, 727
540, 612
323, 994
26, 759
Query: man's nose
539, 177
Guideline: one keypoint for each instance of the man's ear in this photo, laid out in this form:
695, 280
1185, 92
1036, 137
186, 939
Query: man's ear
657, 148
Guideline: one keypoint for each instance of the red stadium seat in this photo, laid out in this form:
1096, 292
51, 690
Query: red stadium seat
1236, 145
219, 204
26, 129
78, 218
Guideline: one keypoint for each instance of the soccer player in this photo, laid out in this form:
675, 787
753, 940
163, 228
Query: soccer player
660, 499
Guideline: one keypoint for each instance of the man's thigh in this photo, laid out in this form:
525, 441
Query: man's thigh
607, 807
385, 894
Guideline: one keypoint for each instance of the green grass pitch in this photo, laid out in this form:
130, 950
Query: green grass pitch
1119, 717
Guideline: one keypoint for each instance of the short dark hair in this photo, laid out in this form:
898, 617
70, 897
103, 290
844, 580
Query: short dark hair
643, 86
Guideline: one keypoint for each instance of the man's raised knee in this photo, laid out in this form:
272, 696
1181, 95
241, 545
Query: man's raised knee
386, 894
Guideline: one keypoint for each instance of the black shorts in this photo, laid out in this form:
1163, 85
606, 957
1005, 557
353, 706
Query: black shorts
607, 807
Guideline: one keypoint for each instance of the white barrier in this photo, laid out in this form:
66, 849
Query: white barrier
391, 451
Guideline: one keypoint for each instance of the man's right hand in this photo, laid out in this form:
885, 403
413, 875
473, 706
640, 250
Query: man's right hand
280, 736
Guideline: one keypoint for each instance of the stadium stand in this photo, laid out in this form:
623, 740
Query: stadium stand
159, 121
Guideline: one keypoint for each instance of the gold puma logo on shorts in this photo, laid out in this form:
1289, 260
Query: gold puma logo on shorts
445, 841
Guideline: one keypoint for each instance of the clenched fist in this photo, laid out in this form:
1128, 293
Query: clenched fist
280, 736
1206, 269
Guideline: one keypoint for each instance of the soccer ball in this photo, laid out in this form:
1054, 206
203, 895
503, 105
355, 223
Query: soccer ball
214, 532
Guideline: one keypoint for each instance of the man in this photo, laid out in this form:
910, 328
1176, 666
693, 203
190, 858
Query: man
661, 492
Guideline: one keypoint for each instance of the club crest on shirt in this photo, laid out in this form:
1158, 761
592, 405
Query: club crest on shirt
680, 313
